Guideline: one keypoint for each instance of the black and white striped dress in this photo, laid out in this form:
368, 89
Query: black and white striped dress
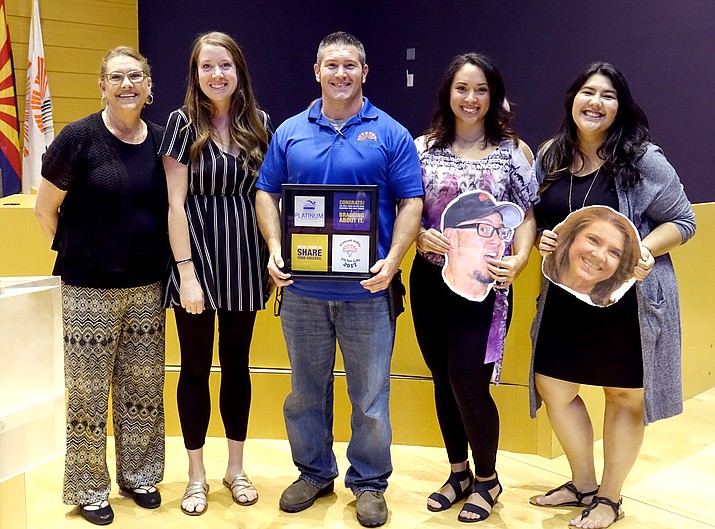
228, 252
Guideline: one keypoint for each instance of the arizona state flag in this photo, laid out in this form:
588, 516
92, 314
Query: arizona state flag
9, 125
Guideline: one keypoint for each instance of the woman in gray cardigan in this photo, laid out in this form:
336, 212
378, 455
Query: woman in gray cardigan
602, 154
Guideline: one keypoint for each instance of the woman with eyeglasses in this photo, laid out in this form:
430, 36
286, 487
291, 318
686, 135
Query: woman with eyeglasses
103, 204
212, 150
468, 146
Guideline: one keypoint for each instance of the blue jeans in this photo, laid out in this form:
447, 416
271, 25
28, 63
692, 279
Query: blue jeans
366, 337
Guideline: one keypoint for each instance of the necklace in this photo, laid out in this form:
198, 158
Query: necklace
469, 142
133, 134
465, 140
587, 192
471, 149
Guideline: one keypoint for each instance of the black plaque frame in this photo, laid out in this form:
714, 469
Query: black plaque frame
292, 235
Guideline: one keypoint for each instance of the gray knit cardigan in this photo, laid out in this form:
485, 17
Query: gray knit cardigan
656, 198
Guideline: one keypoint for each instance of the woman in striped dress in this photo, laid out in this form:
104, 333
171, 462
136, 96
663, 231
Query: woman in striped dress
212, 149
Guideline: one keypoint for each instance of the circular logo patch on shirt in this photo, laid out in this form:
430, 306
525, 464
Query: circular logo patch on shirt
367, 136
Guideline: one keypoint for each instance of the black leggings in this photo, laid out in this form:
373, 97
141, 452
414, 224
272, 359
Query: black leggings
452, 333
196, 339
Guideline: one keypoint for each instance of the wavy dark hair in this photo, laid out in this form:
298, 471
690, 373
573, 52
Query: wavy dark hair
441, 131
246, 128
626, 140
558, 263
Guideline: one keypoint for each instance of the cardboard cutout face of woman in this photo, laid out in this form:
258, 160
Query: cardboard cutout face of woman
479, 230
598, 249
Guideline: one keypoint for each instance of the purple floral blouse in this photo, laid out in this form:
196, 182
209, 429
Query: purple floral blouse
507, 175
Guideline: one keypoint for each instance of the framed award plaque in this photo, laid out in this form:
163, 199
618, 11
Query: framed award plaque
329, 232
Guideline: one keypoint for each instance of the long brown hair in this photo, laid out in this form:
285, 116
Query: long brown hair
625, 142
247, 133
441, 131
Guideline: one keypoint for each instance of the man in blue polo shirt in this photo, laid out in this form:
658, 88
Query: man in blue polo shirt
341, 139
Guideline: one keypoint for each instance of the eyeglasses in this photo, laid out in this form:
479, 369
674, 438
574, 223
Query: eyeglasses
135, 76
487, 230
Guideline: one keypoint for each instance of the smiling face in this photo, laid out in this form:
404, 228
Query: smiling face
125, 96
594, 256
217, 75
341, 76
470, 252
595, 107
469, 95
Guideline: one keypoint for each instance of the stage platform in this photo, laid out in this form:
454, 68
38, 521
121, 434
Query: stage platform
671, 486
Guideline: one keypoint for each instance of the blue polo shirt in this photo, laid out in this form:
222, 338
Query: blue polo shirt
370, 149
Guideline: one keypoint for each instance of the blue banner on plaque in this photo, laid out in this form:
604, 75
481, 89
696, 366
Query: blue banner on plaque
351, 211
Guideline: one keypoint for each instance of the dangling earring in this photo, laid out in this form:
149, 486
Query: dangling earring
103, 101
149, 99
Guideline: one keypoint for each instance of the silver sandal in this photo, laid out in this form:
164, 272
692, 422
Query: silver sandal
237, 486
196, 491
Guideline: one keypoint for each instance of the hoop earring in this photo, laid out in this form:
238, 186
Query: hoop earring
103, 101
149, 99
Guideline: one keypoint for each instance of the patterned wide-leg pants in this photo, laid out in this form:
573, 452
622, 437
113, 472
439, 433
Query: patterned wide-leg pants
113, 338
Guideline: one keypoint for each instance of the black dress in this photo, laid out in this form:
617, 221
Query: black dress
578, 342
229, 254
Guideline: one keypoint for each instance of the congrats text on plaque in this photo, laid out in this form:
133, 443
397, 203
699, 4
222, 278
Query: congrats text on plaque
351, 211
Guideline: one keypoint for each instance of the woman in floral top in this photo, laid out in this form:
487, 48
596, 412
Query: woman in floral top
468, 146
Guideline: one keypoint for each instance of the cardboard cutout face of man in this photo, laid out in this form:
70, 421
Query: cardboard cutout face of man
478, 229
598, 249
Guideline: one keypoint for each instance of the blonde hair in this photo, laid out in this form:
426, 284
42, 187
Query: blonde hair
123, 51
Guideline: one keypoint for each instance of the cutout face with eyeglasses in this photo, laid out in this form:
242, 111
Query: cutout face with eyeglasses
478, 229
472, 244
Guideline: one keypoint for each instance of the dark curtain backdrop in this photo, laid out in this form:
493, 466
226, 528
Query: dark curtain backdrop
664, 47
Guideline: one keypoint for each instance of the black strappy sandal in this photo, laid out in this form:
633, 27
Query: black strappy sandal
569, 487
482, 488
454, 481
600, 500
